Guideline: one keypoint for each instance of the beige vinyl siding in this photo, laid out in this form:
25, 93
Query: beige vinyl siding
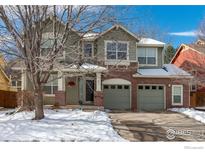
116, 35
71, 44
72, 50
160, 57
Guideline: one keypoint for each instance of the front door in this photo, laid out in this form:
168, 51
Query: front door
89, 91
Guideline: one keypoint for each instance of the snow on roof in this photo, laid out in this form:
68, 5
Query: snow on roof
168, 70
91, 66
174, 70
150, 41
85, 67
90, 36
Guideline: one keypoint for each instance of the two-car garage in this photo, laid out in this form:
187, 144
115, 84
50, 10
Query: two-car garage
117, 95
150, 97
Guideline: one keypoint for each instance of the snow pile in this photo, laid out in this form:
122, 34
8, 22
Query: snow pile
58, 125
197, 115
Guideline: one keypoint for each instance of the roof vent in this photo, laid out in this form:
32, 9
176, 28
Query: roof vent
164, 68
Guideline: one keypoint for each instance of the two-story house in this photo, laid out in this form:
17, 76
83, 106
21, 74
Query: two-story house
121, 71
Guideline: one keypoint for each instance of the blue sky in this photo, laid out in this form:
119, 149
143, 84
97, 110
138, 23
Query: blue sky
175, 23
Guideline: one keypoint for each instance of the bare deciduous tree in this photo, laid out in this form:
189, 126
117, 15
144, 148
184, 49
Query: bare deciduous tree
23, 29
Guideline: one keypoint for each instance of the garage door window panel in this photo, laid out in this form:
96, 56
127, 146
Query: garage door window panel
126, 87
119, 87
140, 87
177, 94
106, 87
147, 87
112, 86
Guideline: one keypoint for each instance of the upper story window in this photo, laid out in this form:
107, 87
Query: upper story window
16, 84
88, 49
117, 50
147, 56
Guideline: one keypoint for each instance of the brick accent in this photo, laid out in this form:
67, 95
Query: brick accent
125, 72
60, 97
98, 98
168, 85
134, 95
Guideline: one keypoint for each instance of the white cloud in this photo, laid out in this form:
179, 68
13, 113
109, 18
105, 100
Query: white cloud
191, 33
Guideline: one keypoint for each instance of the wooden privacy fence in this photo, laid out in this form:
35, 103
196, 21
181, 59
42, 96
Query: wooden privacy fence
8, 99
197, 99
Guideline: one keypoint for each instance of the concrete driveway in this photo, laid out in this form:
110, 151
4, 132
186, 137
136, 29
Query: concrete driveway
166, 126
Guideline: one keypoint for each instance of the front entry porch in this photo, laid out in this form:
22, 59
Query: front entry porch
80, 90
77, 86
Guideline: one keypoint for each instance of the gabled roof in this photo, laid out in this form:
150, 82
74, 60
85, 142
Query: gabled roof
2, 60
4, 74
2, 65
200, 48
50, 19
122, 27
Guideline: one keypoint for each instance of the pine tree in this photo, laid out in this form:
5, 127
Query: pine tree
169, 54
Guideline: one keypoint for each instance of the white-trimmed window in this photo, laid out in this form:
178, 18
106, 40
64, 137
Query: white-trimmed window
177, 94
147, 56
193, 85
117, 50
88, 49
52, 85
16, 84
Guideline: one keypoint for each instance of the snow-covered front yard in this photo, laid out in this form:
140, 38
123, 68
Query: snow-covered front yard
58, 125
192, 113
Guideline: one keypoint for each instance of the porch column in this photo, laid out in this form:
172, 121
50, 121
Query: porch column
98, 82
61, 82
23, 80
98, 94
60, 97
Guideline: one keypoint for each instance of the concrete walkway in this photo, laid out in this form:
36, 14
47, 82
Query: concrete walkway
167, 126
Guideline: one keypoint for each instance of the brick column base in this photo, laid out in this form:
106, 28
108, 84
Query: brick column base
98, 98
60, 98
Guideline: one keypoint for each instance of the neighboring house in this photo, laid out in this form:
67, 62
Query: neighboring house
191, 58
5, 83
122, 71
15, 75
